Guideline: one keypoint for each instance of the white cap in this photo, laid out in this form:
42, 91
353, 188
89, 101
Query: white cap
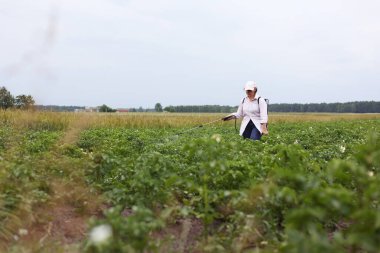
250, 85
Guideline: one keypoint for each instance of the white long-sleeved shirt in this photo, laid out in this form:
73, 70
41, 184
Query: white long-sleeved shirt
252, 110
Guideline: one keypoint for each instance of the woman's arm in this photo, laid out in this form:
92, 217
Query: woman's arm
235, 115
239, 112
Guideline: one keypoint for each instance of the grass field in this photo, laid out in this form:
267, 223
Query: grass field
77, 182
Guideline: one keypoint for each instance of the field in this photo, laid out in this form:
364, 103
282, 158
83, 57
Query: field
144, 183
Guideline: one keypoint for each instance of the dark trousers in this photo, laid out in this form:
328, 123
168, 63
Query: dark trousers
251, 132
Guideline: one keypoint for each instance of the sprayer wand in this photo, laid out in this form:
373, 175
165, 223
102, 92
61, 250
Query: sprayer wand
191, 129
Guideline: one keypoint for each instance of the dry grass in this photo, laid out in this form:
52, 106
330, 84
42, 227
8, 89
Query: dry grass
74, 123
35, 120
296, 117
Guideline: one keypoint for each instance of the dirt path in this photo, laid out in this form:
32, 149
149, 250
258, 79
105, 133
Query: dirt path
60, 224
62, 220
77, 125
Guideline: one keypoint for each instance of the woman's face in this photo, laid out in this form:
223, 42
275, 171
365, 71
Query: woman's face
250, 93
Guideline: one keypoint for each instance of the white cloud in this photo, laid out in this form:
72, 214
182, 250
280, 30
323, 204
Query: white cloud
299, 51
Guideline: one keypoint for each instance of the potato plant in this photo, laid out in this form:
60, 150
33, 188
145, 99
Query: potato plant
312, 185
306, 187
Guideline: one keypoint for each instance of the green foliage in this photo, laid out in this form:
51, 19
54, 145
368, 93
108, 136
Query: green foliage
158, 107
105, 108
309, 187
5, 133
24, 102
24, 181
39, 141
72, 151
349, 107
201, 108
6, 99
118, 233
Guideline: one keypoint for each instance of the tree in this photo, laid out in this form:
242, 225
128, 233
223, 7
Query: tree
105, 108
6, 99
169, 108
24, 102
158, 107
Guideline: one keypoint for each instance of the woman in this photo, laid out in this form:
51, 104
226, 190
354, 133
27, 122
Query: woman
253, 109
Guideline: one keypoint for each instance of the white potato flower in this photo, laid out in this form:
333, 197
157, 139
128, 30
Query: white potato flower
100, 234
217, 137
22, 232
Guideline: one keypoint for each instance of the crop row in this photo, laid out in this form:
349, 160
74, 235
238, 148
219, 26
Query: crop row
307, 187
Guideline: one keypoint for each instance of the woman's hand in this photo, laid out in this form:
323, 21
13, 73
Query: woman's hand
264, 129
229, 117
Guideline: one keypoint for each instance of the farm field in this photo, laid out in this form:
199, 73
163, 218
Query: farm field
144, 183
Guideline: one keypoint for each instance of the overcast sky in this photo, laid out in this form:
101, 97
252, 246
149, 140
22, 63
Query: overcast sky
137, 52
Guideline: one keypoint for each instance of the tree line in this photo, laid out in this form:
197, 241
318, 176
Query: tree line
58, 108
349, 107
201, 108
8, 101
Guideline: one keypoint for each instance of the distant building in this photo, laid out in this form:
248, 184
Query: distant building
92, 109
122, 110
88, 109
